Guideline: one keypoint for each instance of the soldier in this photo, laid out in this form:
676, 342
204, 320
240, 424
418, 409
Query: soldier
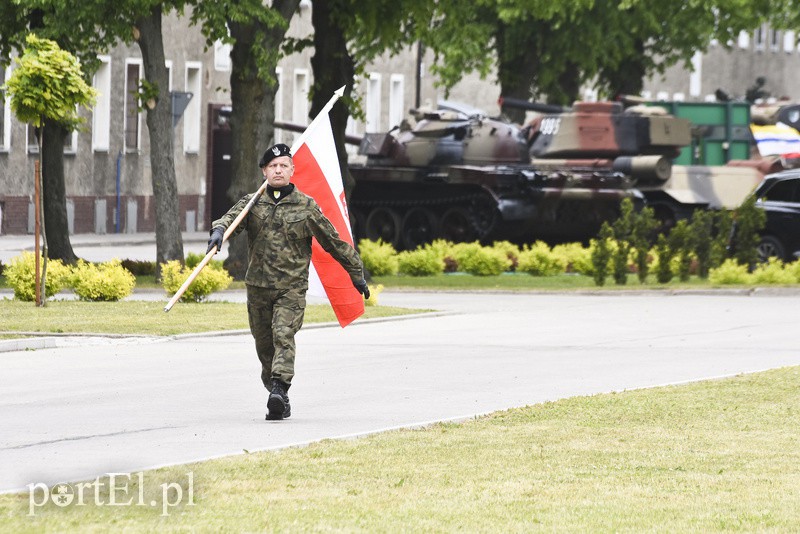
279, 227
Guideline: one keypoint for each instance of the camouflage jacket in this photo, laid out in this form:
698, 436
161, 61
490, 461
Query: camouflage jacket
279, 237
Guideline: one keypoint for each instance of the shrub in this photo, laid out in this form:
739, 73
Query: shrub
665, 253
212, 278
702, 236
622, 230
749, 220
772, 272
620, 261
482, 261
576, 257
421, 262
21, 276
642, 241
108, 281
794, 269
730, 272
444, 249
723, 225
462, 252
539, 260
379, 258
681, 242
601, 254
374, 291
510, 250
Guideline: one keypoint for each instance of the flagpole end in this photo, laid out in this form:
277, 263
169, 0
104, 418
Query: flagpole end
340, 91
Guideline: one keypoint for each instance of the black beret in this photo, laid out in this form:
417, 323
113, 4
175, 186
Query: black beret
273, 152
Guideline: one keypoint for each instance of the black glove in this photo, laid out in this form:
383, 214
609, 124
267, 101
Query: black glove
216, 239
362, 287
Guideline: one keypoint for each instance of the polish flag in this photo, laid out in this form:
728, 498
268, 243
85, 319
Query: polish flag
317, 174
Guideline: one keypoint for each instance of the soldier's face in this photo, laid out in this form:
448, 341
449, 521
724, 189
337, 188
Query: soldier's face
278, 172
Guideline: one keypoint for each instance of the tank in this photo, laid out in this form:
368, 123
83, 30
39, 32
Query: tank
457, 174
641, 141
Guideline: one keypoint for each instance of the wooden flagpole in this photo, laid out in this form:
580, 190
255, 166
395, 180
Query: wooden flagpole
213, 251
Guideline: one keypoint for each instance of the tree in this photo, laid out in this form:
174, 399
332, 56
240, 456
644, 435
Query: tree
48, 19
548, 50
256, 33
47, 85
138, 20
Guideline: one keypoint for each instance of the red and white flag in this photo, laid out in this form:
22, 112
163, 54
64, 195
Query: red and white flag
317, 174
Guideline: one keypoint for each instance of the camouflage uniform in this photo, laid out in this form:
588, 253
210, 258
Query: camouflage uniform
279, 239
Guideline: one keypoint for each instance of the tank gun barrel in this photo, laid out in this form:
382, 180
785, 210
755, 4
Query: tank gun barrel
350, 139
507, 101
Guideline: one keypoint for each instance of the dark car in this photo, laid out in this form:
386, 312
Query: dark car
779, 196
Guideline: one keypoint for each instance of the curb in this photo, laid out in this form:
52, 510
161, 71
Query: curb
39, 340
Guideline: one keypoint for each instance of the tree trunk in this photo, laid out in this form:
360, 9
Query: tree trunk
516, 69
333, 67
628, 76
169, 242
253, 114
54, 194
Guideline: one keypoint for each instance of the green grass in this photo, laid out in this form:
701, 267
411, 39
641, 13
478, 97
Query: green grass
716, 456
526, 282
140, 317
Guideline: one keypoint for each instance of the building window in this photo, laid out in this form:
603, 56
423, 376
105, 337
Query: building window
133, 73
373, 105
30, 135
70, 141
5, 114
222, 56
696, 76
101, 115
168, 64
774, 40
191, 116
300, 97
759, 38
788, 41
744, 40
397, 100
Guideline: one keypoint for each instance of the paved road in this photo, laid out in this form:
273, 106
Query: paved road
93, 406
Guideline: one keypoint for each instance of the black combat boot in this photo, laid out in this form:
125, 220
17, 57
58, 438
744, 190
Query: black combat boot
278, 403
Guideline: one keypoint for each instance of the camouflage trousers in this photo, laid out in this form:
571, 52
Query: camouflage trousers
275, 316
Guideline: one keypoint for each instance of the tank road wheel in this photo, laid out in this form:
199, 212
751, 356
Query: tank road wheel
456, 226
383, 224
419, 228
484, 215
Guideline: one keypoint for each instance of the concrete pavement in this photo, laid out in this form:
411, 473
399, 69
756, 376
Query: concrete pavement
75, 412
103, 247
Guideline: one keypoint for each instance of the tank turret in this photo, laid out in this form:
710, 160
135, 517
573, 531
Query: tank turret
455, 173
641, 142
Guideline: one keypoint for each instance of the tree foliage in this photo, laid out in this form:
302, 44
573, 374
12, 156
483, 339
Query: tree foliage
48, 83
546, 50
